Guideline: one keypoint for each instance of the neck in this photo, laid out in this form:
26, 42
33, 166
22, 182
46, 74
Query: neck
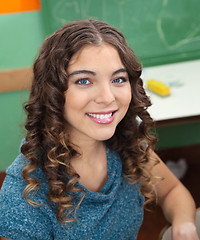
89, 150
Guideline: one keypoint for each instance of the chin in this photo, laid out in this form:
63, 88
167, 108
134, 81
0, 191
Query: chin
106, 136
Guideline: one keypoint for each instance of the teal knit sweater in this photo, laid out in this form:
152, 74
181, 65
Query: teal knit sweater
116, 212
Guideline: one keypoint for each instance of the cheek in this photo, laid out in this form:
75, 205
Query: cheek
126, 97
75, 102
68, 107
129, 97
66, 111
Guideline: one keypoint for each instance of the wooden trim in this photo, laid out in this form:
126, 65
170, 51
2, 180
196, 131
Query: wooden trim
15, 79
176, 121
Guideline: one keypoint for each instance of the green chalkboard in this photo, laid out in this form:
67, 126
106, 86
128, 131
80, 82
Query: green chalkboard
159, 31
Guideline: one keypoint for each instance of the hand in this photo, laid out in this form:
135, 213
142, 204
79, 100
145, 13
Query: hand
185, 231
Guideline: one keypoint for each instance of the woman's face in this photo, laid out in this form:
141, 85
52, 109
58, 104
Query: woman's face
98, 94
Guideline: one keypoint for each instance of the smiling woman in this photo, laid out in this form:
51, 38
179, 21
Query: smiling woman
85, 163
104, 91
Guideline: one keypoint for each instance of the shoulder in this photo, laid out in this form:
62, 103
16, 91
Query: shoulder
14, 182
19, 219
18, 164
15, 169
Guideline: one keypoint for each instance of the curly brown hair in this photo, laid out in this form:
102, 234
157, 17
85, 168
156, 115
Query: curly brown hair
47, 142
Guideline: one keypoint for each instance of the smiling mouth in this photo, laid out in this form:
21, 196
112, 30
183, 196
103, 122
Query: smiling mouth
102, 118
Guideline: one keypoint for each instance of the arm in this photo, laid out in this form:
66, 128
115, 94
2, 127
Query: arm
18, 219
176, 202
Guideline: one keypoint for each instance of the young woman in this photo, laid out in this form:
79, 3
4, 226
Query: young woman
87, 164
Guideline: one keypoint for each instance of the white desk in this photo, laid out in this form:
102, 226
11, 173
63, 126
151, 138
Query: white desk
184, 100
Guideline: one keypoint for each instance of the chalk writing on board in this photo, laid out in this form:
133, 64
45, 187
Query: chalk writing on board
159, 31
187, 35
64, 11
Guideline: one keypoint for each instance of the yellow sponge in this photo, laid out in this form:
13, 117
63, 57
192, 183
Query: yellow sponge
158, 87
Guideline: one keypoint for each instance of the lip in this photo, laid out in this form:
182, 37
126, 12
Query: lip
105, 120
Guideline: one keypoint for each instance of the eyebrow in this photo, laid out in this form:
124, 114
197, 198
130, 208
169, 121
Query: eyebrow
121, 70
94, 74
82, 72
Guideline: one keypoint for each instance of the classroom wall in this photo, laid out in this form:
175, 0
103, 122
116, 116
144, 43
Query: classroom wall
21, 36
159, 31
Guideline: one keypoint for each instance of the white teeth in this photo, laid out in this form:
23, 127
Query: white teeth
100, 116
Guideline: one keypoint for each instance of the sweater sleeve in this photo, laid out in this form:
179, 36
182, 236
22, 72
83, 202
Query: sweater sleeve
18, 219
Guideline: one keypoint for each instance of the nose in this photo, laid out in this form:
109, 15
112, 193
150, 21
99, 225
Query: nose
105, 94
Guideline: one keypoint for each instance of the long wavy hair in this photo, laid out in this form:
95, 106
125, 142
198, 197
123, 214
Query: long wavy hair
47, 142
